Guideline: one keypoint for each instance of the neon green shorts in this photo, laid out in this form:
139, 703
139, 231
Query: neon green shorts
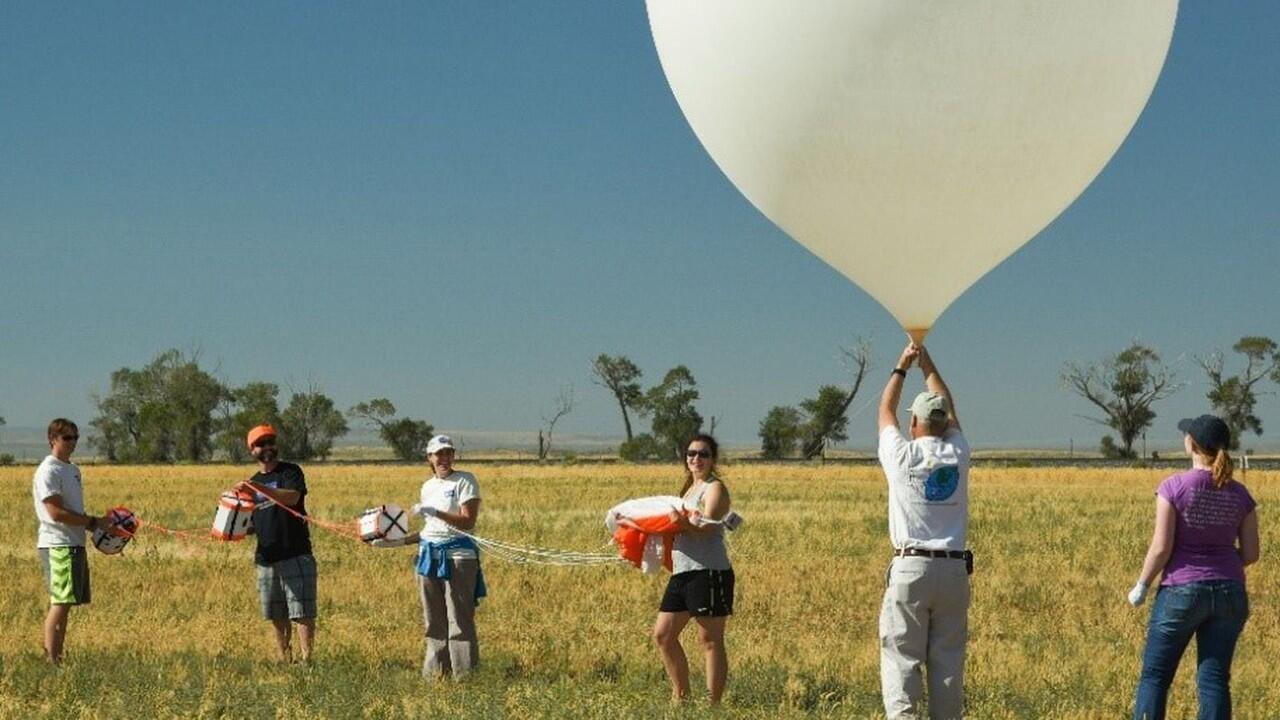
66, 574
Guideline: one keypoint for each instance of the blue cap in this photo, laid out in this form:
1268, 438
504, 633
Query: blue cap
1209, 432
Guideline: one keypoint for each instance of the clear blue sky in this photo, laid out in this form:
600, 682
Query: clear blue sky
458, 205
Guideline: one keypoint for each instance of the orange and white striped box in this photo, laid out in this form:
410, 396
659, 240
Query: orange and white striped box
234, 517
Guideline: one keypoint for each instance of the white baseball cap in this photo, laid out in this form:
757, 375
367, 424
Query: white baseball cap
438, 443
930, 406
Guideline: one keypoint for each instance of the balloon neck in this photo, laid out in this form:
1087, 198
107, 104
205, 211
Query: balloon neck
917, 335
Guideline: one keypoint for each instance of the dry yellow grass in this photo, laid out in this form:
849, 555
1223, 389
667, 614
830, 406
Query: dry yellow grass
173, 629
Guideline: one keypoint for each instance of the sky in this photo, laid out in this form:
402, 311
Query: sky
458, 205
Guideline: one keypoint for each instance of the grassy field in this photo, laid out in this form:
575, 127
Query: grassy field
173, 630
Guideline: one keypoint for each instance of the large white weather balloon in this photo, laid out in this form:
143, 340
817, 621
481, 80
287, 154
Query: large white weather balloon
912, 144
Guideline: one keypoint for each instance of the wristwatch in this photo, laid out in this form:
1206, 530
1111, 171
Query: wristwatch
898, 371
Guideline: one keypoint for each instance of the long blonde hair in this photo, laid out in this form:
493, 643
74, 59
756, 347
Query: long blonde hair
1220, 463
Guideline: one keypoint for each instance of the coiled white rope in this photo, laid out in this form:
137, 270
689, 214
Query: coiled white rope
533, 555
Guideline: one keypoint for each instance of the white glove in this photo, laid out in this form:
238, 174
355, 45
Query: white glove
424, 510
387, 543
1138, 594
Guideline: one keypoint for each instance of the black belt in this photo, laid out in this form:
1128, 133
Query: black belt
920, 552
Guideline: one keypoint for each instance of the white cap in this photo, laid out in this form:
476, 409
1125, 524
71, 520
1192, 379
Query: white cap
930, 406
438, 443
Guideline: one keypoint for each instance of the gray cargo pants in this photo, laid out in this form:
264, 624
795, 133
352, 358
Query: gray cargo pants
449, 614
924, 622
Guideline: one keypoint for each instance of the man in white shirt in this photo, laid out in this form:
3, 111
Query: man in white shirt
924, 615
60, 540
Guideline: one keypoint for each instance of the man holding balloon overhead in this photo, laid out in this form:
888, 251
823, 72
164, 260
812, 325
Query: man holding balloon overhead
924, 617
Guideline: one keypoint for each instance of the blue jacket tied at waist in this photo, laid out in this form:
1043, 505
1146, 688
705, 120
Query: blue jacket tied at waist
433, 560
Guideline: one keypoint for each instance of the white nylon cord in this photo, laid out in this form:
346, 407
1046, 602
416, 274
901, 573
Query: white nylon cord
524, 554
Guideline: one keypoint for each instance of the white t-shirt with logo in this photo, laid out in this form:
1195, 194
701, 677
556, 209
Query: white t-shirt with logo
448, 494
928, 489
55, 477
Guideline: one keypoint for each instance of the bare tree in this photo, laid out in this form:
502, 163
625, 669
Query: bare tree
565, 403
1124, 387
1234, 396
827, 412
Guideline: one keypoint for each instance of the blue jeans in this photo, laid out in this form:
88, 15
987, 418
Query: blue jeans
1214, 612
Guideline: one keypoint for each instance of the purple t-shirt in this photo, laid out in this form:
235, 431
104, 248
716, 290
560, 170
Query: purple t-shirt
1204, 540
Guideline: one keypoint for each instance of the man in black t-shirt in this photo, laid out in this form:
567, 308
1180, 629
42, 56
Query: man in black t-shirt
286, 567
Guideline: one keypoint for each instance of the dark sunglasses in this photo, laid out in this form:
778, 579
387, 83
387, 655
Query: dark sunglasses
265, 442
70, 437
704, 454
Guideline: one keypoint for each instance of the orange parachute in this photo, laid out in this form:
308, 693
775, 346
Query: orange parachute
643, 530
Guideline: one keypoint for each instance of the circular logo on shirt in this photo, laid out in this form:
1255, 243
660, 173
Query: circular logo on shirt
941, 483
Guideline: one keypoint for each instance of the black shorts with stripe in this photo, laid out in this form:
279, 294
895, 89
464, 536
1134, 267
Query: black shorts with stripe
704, 593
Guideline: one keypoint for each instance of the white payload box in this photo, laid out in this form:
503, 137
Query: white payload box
120, 528
234, 518
385, 522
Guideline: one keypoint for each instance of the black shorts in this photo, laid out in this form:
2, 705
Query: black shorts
704, 593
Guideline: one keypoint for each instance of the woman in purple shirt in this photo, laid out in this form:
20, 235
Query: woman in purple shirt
1206, 532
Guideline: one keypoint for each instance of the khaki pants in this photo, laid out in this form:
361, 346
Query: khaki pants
449, 613
924, 624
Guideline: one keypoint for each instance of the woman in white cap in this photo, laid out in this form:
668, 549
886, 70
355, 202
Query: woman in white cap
450, 581
1206, 533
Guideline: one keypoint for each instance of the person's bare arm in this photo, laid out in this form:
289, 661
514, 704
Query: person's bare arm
280, 496
1250, 547
892, 394
465, 518
411, 539
933, 381
717, 505
1161, 541
66, 516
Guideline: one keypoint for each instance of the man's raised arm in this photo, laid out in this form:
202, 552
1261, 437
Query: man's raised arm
934, 382
892, 394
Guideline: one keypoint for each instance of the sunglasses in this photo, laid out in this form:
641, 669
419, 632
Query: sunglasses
69, 438
704, 454
269, 442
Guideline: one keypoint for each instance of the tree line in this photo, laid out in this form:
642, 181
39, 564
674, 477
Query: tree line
172, 410
1125, 386
815, 425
